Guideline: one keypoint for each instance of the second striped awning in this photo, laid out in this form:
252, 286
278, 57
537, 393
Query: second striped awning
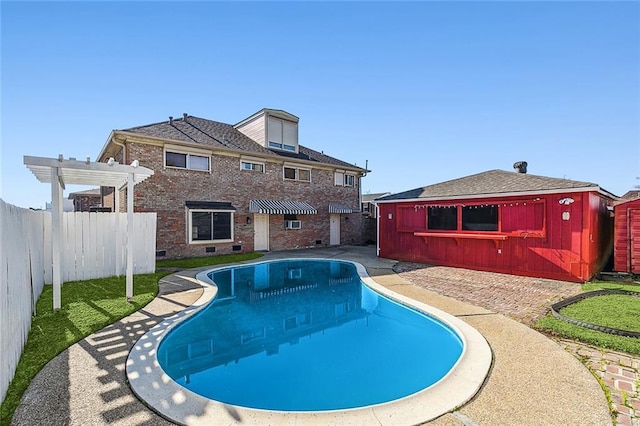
337, 208
280, 207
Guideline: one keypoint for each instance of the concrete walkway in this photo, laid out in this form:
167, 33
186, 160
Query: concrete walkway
533, 379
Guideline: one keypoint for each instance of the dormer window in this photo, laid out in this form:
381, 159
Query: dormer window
282, 134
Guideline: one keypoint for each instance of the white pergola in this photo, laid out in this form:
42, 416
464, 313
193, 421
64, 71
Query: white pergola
60, 172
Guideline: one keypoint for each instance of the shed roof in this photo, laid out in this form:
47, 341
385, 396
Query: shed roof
492, 183
215, 134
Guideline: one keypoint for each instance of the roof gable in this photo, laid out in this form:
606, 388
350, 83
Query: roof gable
491, 183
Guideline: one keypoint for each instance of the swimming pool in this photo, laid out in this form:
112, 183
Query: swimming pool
305, 335
159, 391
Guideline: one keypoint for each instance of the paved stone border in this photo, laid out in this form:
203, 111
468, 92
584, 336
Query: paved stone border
556, 307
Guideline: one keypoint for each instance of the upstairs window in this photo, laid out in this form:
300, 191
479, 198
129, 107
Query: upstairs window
342, 179
256, 167
282, 134
295, 173
181, 160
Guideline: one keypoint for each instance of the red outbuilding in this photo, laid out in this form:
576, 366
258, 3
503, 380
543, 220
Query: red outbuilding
501, 221
626, 252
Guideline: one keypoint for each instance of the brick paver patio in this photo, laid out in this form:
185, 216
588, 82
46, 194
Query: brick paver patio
526, 300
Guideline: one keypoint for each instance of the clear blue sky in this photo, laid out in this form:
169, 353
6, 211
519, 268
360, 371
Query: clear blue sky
425, 91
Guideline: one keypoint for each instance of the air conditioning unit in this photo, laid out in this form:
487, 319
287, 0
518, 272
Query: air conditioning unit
293, 224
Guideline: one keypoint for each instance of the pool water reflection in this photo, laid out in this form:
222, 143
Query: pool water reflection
305, 335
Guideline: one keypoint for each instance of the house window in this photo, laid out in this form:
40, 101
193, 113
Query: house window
340, 178
480, 218
182, 160
295, 173
256, 167
210, 226
442, 218
282, 134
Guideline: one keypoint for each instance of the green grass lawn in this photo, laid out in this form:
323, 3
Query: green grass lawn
197, 262
87, 306
614, 311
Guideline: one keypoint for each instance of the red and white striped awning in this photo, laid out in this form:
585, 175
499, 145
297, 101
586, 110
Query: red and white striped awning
280, 207
339, 209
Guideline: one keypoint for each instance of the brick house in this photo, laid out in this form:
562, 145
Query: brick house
220, 188
86, 201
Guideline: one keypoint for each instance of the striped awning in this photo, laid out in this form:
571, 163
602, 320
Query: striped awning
280, 207
337, 208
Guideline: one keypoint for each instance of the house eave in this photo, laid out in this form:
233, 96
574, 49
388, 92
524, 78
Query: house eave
154, 140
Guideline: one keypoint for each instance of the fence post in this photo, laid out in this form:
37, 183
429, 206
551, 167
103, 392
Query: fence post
130, 178
56, 236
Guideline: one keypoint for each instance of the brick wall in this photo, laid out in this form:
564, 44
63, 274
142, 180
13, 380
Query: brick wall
167, 190
84, 202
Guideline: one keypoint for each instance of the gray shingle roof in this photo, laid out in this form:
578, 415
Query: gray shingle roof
492, 182
371, 197
221, 135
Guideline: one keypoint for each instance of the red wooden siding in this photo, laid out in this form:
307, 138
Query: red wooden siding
536, 236
627, 237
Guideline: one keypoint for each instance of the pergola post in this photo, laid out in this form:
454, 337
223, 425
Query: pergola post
130, 236
56, 236
116, 209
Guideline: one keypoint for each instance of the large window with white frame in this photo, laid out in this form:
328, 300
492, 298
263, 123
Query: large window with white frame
185, 160
207, 226
297, 173
282, 134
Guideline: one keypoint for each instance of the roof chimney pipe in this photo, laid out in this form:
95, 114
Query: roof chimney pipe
184, 116
520, 167
170, 120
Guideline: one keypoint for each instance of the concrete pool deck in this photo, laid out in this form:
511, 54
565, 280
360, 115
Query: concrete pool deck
533, 380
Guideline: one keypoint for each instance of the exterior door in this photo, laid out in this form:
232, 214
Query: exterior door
261, 232
334, 229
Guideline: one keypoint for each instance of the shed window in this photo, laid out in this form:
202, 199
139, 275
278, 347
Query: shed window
443, 218
480, 218
210, 226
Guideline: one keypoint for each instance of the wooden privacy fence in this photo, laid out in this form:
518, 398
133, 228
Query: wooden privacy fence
94, 246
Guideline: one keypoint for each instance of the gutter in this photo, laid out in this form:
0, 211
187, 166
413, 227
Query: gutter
499, 195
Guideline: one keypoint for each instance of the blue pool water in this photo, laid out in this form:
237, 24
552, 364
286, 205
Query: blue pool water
305, 335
